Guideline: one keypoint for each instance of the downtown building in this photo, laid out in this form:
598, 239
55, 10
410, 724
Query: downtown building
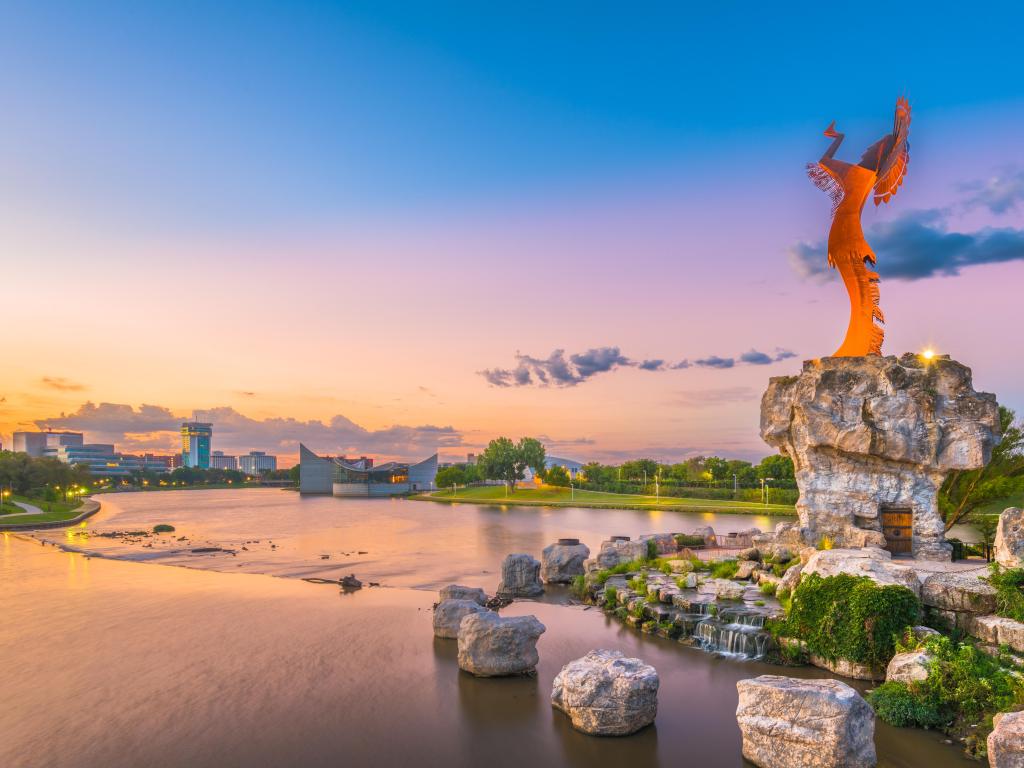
339, 476
196, 437
101, 459
257, 462
221, 460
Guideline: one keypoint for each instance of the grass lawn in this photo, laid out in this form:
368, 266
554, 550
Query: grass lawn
554, 497
53, 511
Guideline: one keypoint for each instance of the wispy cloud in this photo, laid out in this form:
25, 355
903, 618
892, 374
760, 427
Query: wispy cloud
558, 370
999, 194
61, 384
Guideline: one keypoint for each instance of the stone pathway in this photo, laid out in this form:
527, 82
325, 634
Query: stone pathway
30, 509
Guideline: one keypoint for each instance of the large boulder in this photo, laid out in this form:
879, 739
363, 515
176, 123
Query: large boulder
664, 543
520, 577
909, 667
876, 564
745, 569
607, 694
493, 646
448, 616
617, 551
1009, 542
959, 591
866, 432
787, 722
561, 562
459, 592
722, 589
708, 534
998, 630
1006, 742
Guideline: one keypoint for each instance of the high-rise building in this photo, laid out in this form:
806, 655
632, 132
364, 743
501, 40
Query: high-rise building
257, 462
196, 437
220, 460
36, 443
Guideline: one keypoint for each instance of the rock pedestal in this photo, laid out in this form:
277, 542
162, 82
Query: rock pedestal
459, 592
869, 432
787, 722
1009, 541
520, 577
561, 563
607, 694
492, 646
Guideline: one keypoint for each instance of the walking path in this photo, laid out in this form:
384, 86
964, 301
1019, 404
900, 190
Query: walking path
30, 509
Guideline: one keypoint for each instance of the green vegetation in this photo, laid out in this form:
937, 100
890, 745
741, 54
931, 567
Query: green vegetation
633, 565
849, 617
163, 528
550, 496
779, 569
965, 492
768, 588
689, 540
578, 588
507, 461
557, 476
611, 597
652, 549
1009, 586
964, 689
54, 511
637, 611
638, 584
724, 569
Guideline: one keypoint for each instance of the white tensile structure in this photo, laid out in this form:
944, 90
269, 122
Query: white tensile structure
343, 477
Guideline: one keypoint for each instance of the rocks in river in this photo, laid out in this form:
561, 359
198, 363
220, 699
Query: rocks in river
619, 550
751, 553
708, 534
745, 569
680, 566
459, 592
492, 646
788, 722
350, 582
562, 562
607, 694
448, 616
791, 578
1009, 541
520, 577
998, 630
1006, 742
909, 667
876, 564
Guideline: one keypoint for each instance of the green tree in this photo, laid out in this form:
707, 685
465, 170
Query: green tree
449, 476
557, 475
964, 491
501, 460
718, 468
532, 453
777, 466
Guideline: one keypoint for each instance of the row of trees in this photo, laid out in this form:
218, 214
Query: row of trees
25, 475
502, 460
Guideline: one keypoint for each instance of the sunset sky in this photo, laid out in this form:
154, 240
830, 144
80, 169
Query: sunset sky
365, 228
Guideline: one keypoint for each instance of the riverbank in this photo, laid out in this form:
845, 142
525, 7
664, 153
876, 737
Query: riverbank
60, 518
495, 495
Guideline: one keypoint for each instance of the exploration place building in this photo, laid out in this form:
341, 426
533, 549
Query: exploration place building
344, 477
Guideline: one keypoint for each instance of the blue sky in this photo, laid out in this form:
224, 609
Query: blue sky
478, 185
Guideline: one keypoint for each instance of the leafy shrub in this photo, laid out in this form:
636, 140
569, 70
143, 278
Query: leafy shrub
689, 540
617, 570
965, 687
638, 584
779, 569
611, 597
768, 587
163, 528
638, 608
759, 602
1009, 586
897, 705
725, 569
851, 617
652, 549
701, 565
664, 567
579, 587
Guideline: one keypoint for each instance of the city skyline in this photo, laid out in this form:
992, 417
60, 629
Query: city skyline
429, 214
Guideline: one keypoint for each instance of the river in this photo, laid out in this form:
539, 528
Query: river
116, 661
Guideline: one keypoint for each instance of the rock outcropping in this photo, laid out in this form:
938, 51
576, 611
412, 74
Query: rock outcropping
561, 562
607, 694
492, 646
520, 577
909, 667
869, 432
1006, 742
1009, 542
876, 564
787, 722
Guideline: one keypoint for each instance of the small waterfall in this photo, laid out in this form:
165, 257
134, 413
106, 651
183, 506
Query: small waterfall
737, 633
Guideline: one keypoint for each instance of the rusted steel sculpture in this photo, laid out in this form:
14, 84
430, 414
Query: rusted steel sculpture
881, 169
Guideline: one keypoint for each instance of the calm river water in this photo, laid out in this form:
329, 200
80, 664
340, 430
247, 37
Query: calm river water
115, 662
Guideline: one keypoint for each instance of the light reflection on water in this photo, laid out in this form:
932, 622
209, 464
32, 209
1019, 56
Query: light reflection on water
109, 663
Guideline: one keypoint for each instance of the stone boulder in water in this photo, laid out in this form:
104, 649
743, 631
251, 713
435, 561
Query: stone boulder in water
448, 616
493, 646
722, 589
607, 694
909, 667
561, 562
1006, 742
459, 592
787, 722
520, 577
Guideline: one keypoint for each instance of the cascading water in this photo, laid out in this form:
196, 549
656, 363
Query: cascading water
738, 633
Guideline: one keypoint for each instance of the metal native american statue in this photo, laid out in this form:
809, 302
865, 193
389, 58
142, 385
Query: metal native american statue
879, 172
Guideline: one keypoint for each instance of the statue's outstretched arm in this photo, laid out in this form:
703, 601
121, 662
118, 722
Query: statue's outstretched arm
837, 139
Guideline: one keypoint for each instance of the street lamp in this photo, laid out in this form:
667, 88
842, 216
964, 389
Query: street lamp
764, 489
